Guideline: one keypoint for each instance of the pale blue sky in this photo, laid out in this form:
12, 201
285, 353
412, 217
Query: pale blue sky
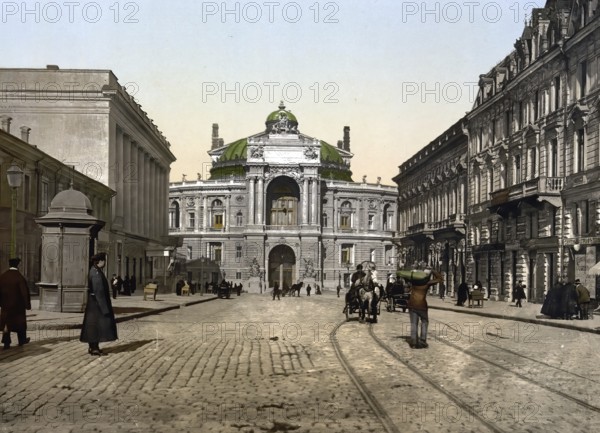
375, 61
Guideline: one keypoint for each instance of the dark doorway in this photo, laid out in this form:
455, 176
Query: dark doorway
282, 266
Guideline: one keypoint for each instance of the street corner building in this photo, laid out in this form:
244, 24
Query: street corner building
281, 206
511, 191
82, 125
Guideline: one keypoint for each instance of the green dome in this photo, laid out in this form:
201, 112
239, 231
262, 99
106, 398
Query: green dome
275, 115
330, 153
235, 151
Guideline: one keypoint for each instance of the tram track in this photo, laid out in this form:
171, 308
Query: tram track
377, 408
503, 364
573, 376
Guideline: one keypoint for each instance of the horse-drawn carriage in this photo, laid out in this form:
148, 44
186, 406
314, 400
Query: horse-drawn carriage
364, 294
396, 296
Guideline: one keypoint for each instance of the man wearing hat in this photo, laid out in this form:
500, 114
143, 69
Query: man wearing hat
99, 323
14, 300
583, 299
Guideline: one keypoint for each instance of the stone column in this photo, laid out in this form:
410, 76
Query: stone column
152, 204
260, 201
134, 206
305, 202
197, 210
126, 183
227, 210
147, 197
251, 199
335, 217
141, 191
204, 213
313, 201
119, 171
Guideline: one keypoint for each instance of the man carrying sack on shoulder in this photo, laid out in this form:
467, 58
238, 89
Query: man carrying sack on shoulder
417, 304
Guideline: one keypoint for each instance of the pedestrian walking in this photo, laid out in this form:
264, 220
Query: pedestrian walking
519, 294
308, 289
14, 300
583, 300
276, 291
418, 310
99, 323
515, 289
114, 285
132, 284
339, 288
127, 286
442, 291
463, 294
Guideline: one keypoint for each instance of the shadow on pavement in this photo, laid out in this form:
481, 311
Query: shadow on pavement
127, 347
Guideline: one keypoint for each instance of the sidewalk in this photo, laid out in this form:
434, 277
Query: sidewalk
530, 313
125, 308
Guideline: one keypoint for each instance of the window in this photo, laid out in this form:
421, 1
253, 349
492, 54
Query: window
517, 178
26, 192
44, 198
476, 189
533, 162
536, 105
284, 211
521, 116
238, 275
508, 123
191, 219
371, 222
346, 216
553, 162
217, 212
372, 255
580, 156
174, 215
557, 92
324, 219
215, 251
493, 132
582, 78
238, 253
347, 254
189, 253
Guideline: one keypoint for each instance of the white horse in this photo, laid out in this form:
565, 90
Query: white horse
369, 293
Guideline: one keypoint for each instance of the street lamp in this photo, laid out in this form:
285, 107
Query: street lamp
14, 175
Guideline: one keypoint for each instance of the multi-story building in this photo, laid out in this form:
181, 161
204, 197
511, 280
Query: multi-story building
533, 210
86, 119
281, 206
43, 177
432, 205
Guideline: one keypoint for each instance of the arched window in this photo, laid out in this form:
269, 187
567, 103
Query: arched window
239, 219
174, 215
346, 215
217, 214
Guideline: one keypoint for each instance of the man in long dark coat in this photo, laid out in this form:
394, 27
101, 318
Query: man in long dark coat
14, 300
99, 323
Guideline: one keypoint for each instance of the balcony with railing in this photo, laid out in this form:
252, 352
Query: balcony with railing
421, 229
542, 188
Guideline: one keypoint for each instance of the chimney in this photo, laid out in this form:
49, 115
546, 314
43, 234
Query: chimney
347, 138
5, 121
221, 142
215, 135
340, 144
25, 130
52, 67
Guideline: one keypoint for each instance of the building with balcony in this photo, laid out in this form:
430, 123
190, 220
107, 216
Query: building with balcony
86, 119
432, 192
281, 206
532, 162
533, 150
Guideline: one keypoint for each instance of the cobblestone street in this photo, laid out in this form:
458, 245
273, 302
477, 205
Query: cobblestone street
253, 364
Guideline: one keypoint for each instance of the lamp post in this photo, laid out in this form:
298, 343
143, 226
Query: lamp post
14, 175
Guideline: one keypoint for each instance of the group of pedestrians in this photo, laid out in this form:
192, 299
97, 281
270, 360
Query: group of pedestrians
123, 287
568, 301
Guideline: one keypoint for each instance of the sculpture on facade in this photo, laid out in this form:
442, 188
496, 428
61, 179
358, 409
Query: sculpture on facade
309, 269
254, 268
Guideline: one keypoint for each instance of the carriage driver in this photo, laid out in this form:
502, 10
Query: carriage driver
356, 280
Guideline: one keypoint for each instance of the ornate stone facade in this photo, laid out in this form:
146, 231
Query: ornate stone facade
281, 206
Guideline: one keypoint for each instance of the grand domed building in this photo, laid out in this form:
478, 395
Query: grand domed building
281, 206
